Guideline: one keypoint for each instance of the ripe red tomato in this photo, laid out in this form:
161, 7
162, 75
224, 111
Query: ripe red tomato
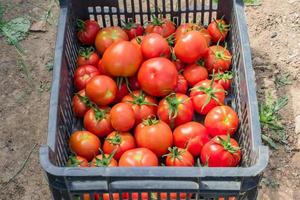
179, 157
101, 68
221, 120
221, 151
122, 117
133, 30
137, 41
191, 47
135, 196
101, 90
87, 56
195, 73
83, 75
163, 27
133, 83
87, 31
144, 106
182, 85
224, 79
218, 30
154, 45
122, 59
85, 144
206, 35
108, 36
104, 160
139, 157
77, 161
218, 59
97, 121
206, 95
191, 136
155, 135
158, 76
184, 28
119, 142
175, 109
79, 104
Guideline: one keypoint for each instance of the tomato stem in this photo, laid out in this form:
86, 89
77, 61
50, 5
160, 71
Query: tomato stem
86, 52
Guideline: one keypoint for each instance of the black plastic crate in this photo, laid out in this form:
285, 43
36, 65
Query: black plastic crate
201, 182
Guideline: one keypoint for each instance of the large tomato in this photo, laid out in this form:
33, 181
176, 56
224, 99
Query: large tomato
87, 56
143, 105
179, 157
218, 59
77, 161
87, 31
163, 27
182, 85
133, 29
104, 160
79, 104
139, 157
224, 79
184, 28
97, 121
108, 36
155, 135
195, 73
154, 45
101, 90
175, 109
218, 30
122, 117
221, 151
190, 47
206, 95
122, 59
191, 136
83, 75
119, 142
158, 76
221, 120
85, 144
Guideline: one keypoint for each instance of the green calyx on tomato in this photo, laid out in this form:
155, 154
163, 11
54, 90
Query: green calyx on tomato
80, 24
173, 105
171, 41
140, 99
228, 75
156, 21
105, 160
128, 25
116, 140
220, 54
74, 162
175, 153
120, 80
87, 101
200, 63
100, 113
222, 27
150, 121
86, 52
227, 145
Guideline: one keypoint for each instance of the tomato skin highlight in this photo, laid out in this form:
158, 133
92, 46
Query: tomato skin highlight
83, 74
88, 32
79, 107
158, 76
154, 45
139, 157
122, 117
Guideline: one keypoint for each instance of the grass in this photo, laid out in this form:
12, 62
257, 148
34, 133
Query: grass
283, 80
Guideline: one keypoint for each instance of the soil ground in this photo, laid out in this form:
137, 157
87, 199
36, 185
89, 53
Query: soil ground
274, 29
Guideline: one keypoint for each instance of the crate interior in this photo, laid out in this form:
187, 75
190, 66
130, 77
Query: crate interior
107, 13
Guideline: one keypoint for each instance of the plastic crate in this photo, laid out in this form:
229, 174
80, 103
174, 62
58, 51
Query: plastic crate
201, 182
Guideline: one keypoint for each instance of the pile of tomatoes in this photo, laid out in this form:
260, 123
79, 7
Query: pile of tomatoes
139, 90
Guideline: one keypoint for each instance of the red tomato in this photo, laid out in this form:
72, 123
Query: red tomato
218, 59
179, 157
133, 30
115, 196
101, 68
77, 161
97, 121
85, 144
221, 151
133, 82
122, 92
154, 45
158, 76
191, 136
137, 41
87, 56
122, 117
79, 104
104, 160
206, 95
224, 79
206, 35
221, 120
122, 59
155, 135
175, 109
108, 36
135, 196
184, 28
173, 196
144, 106
195, 73
179, 65
83, 75
182, 85
119, 142
87, 31
163, 27
101, 90
218, 30
139, 157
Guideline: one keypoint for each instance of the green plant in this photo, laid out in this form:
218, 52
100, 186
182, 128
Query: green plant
283, 80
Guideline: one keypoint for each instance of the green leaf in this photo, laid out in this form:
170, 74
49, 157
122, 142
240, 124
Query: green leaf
269, 141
